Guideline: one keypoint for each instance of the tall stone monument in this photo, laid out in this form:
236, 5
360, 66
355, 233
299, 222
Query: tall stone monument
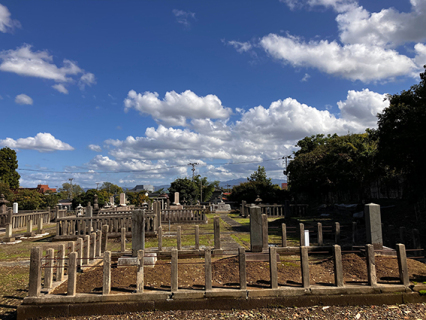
373, 225
256, 230
123, 200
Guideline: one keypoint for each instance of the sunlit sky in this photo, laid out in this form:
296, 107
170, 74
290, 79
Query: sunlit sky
132, 91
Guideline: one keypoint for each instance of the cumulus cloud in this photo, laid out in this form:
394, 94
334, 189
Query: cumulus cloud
42, 142
354, 62
6, 23
23, 99
60, 87
176, 108
25, 62
241, 46
184, 17
94, 147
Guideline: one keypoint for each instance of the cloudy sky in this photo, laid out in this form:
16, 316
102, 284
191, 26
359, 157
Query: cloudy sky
132, 91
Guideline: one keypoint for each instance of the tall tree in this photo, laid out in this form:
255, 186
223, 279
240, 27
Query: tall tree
8, 166
111, 188
188, 190
69, 190
206, 187
259, 176
402, 134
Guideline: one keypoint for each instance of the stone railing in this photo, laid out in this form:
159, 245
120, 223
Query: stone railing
78, 226
20, 220
276, 210
184, 216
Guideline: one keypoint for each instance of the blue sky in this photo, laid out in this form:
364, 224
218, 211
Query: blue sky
132, 91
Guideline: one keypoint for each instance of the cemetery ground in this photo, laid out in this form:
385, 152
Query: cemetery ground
14, 272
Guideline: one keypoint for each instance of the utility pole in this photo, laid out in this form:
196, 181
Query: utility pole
71, 179
97, 185
193, 164
285, 158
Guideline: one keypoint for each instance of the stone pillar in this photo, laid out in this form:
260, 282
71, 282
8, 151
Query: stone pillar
371, 265
242, 268
373, 225
123, 199
243, 209
174, 271
92, 247
304, 262
264, 232
48, 269
60, 256
72, 274
99, 242
71, 246
139, 275
30, 228
256, 237
34, 289
138, 231
40, 225
105, 229
197, 237
273, 267
302, 234
178, 238
208, 269
160, 238
176, 202
283, 235
106, 283
79, 250
217, 244
86, 250
123, 240
56, 213
402, 264
9, 233
338, 267
320, 238
337, 232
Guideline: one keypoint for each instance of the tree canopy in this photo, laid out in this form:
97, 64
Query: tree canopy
8, 166
68, 191
188, 190
111, 188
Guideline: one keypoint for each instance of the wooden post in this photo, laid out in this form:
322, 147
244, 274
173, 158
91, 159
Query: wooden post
302, 234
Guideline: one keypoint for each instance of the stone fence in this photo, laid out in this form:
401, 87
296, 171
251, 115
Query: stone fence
276, 210
184, 216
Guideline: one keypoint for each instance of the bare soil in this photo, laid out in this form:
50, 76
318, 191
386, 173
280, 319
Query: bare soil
225, 274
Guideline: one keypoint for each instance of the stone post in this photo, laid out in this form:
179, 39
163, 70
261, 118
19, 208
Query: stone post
123, 240
337, 233
304, 262
243, 209
242, 268
138, 231
34, 289
71, 246
371, 265
86, 250
60, 266
256, 237
197, 237
105, 229
160, 238
373, 225
92, 247
217, 244
99, 242
40, 225
56, 213
9, 233
338, 267
48, 270
174, 271
320, 238
402, 264
30, 228
139, 275
283, 235
106, 283
302, 234
273, 267
178, 238
72, 274
208, 269
264, 232
176, 202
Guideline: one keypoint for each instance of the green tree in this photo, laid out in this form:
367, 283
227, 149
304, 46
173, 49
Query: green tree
28, 199
259, 176
5, 190
69, 190
402, 133
111, 188
8, 166
206, 186
188, 190
137, 198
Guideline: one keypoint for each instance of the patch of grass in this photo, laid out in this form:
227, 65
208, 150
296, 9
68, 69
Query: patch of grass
422, 292
242, 239
13, 288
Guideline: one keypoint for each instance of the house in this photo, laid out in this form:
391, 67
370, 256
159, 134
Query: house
41, 188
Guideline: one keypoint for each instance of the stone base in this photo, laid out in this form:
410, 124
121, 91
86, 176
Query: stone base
8, 239
149, 260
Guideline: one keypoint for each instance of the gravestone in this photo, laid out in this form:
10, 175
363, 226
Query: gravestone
256, 232
95, 204
138, 231
15, 207
373, 225
111, 201
122, 200
176, 202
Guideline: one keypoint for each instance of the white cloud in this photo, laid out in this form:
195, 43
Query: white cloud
305, 77
23, 99
6, 23
94, 147
183, 17
60, 87
338, 5
175, 108
42, 142
354, 62
25, 62
241, 46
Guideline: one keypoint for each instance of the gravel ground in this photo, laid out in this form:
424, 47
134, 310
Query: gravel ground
403, 311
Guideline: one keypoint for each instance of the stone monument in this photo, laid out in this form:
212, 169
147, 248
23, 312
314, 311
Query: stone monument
373, 225
123, 200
